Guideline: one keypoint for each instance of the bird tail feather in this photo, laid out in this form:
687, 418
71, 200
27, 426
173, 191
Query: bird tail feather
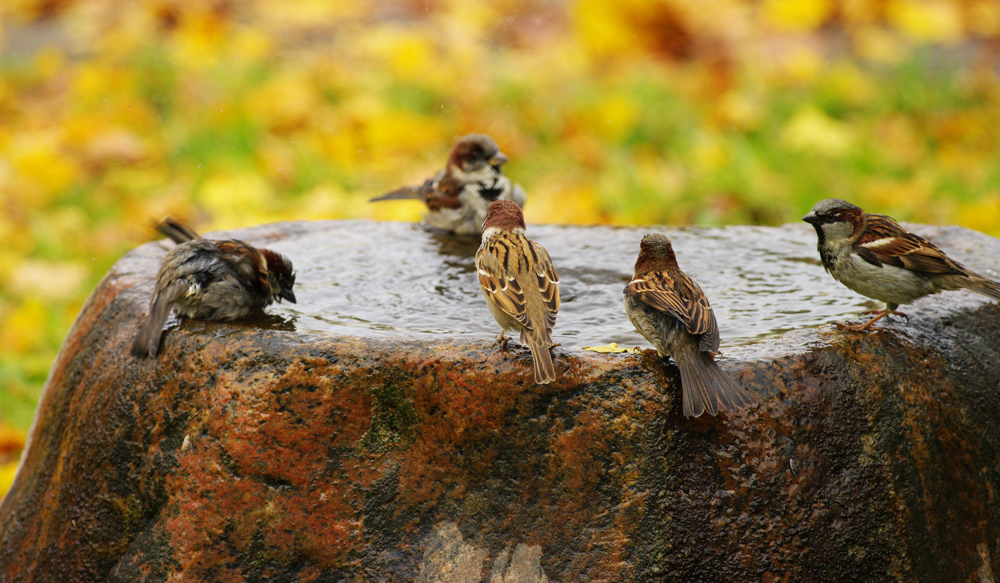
707, 388
177, 231
541, 357
406, 192
985, 286
147, 339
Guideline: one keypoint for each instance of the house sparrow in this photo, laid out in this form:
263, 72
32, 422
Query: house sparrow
520, 284
874, 256
458, 197
669, 309
211, 280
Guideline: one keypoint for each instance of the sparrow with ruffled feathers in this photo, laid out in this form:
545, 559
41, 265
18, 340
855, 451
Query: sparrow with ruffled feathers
458, 196
874, 256
669, 309
211, 280
520, 284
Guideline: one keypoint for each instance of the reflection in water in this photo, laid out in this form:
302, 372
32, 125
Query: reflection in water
369, 278
270, 321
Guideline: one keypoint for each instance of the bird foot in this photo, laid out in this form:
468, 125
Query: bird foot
869, 325
888, 312
502, 340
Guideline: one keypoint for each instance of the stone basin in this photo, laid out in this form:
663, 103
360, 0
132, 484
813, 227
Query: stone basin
375, 431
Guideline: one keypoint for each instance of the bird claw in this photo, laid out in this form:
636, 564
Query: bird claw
893, 312
868, 326
502, 340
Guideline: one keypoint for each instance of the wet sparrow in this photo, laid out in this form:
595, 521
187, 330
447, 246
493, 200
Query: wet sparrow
872, 255
457, 197
211, 280
670, 310
520, 284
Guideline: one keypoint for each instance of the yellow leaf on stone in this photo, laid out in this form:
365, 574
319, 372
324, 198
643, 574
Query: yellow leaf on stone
927, 20
611, 348
797, 15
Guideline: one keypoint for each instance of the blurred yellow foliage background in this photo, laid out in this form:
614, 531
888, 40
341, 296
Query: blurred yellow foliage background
228, 113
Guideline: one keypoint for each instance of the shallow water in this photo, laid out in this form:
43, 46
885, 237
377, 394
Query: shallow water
761, 281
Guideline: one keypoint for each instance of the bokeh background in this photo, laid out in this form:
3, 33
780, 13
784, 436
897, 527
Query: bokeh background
229, 113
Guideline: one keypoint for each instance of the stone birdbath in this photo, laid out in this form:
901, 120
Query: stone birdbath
376, 431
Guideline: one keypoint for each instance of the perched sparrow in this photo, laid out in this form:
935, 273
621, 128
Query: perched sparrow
211, 280
874, 256
520, 284
670, 310
458, 197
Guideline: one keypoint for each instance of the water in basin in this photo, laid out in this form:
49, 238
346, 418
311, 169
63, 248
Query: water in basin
379, 279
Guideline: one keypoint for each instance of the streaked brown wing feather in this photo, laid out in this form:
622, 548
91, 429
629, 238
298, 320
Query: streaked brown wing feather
506, 292
444, 194
887, 242
246, 260
548, 282
681, 298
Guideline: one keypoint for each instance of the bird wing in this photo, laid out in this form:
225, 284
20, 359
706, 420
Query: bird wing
548, 281
680, 297
500, 283
443, 193
884, 242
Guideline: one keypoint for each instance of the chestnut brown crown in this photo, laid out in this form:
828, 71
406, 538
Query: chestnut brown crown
504, 215
655, 254
476, 150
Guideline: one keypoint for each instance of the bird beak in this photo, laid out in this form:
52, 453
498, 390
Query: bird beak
287, 294
498, 160
812, 218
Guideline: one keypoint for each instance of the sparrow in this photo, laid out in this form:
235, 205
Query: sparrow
520, 284
872, 255
211, 280
669, 309
458, 197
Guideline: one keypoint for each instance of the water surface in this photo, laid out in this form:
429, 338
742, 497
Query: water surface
380, 279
